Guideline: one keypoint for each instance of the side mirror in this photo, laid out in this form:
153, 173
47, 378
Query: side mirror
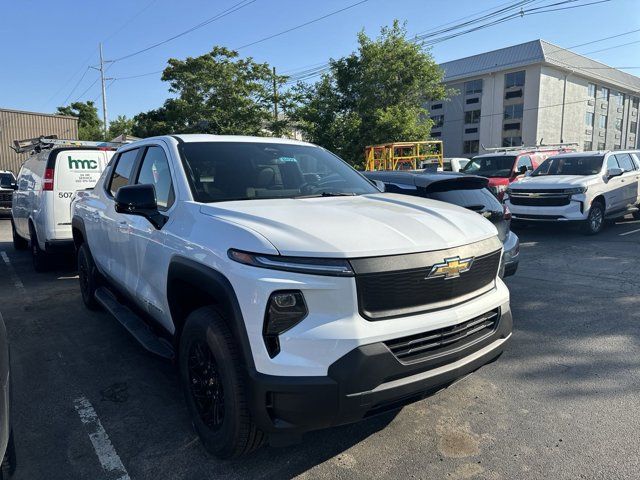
614, 172
380, 185
523, 170
139, 200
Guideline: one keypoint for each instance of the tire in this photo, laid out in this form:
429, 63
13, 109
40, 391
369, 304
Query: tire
19, 243
595, 221
214, 383
8, 466
88, 277
38, 256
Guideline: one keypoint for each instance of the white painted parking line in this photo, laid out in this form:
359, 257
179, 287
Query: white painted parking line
13, 275
102, 445
629, 233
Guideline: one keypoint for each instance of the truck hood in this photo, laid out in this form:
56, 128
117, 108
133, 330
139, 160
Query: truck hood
554, 181
358, 226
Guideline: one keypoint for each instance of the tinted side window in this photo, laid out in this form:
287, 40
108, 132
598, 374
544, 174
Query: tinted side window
122, 171
155, 171
625, 162
612, 162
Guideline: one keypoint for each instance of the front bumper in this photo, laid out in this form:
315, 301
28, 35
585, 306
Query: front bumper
576, 210
366, 381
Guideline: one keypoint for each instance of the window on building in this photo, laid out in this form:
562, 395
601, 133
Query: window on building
472, 116
618, 124
513, 111
436, 134
635, 102
512, 141
438, 121
471, 101
436, 106
470, 146
600, 145
617, 146
471, 130
588, 145
618, 98
473, 86
603, 94
511, 126
633, 127
514, 79
592, 90
513, 94
602, 121
588, 119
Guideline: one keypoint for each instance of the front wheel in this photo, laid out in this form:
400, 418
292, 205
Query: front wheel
38, 256
88, 276
19, 243
214, 384
595, 221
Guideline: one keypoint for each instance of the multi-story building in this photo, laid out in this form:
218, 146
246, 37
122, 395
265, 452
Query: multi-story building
532, 93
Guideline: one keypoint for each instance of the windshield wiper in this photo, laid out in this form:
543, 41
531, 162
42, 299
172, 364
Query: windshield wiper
338, 194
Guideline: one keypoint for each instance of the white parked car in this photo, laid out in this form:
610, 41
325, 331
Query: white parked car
454, 164
293, 293
40, 210
586, 187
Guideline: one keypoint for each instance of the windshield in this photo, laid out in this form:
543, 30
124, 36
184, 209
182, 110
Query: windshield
569, 166
498, 166
224, 171
6, 179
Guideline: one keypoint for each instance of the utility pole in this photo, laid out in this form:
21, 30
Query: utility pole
101, 69
275, 100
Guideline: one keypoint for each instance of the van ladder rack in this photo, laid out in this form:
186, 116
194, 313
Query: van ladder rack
51, 141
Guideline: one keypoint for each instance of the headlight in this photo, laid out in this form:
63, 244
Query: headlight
574, 191
334, 267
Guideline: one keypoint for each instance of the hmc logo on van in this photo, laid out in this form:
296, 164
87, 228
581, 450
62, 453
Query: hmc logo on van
82, 164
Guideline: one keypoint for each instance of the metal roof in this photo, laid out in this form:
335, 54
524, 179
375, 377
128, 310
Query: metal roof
534, 52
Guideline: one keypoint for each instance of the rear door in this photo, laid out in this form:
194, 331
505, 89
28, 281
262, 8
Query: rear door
629, 179
74, 170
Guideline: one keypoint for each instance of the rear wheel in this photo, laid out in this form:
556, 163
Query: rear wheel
38, 256
595, 221
19, 243
214, 384
88, 277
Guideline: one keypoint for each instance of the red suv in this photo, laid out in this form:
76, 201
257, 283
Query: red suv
505, 166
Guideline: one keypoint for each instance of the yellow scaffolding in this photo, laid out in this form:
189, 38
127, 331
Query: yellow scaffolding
404, 155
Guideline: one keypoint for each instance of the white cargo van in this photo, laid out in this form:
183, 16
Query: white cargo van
40, 211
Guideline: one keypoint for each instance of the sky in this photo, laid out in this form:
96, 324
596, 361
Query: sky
46, 47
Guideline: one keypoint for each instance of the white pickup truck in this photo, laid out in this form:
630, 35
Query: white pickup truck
291, 292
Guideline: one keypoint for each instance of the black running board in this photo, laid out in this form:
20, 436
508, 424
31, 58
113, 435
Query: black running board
134, 324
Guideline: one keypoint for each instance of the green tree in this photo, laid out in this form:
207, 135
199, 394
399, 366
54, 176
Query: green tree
216, 93
375, 95
89, 124
120, 126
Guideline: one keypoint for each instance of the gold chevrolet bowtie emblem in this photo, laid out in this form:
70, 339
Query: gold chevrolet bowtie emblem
450, 268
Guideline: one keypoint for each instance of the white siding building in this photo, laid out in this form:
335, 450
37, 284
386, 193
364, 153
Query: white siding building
533, 92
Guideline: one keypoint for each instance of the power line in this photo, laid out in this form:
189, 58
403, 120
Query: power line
218, 16
611, 48
75, 86
302, 25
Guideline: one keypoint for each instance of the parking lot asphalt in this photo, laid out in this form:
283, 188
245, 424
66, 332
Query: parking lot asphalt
561, 402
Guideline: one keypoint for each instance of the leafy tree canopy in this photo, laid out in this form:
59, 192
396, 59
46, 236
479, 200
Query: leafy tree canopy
120, 126
375, 95
215, 93
89, 124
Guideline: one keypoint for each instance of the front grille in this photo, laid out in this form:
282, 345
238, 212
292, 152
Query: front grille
5, 197
436, 343
403, 292
541, 201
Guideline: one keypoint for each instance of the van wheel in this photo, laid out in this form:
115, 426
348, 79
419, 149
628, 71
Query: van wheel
595, 221
38, 256
214, 384
88, 276
19, 243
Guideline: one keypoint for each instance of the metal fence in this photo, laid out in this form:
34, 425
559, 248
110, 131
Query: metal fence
16, 125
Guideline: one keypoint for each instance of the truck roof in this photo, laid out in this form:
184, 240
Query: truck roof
201, 137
